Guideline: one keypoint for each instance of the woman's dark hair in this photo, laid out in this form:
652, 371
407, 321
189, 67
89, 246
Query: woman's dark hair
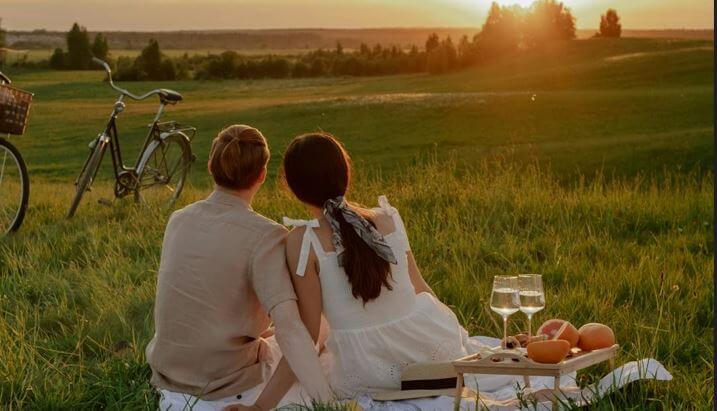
317, 168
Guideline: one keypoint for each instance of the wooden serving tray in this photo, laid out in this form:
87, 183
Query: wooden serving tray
515, 362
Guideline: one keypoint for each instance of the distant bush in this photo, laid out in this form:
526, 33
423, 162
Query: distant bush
319, 63
151, 64
58, 60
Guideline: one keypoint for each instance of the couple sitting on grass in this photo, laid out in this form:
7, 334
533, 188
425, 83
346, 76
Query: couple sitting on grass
227, 273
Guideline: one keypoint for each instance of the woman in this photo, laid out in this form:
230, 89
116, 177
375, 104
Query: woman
355, 266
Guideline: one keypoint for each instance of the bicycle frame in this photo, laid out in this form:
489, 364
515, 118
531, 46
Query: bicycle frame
110, 136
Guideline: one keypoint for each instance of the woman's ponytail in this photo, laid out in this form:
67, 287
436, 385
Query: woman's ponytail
317, 169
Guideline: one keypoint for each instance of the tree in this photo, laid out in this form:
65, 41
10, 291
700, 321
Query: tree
377, 50
501, 32
150, 61
57, 60
100, 48
610, 24
79, 53
548, 21
464, 47
2, 35
442, 58
432, 43
2, 43
339, 48
150, 65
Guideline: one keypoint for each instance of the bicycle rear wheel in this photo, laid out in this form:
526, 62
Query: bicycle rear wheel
14, 188
87, 175
163, 170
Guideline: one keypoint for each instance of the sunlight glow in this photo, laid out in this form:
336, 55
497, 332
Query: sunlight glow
522, 3
484, 4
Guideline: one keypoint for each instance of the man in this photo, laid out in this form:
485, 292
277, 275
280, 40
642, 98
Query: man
222, 275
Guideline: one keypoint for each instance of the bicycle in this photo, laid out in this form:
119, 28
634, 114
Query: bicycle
160, 171
14, 181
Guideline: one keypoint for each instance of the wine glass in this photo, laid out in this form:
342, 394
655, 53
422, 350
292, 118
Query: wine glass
532, 298
505, 299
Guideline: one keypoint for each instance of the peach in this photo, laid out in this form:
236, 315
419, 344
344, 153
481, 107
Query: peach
595, 336
549, 351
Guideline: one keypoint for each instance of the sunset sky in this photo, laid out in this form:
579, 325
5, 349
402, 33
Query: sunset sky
250, 14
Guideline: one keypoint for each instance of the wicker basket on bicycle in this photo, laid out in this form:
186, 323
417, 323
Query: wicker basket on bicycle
14, 109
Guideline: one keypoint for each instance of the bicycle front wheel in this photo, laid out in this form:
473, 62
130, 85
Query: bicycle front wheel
14, 188
163, 170
87, 175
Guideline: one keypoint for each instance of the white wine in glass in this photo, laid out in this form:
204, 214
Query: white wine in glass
532, 298
505, 299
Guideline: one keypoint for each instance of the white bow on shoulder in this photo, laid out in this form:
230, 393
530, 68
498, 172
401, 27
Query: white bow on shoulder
305, 242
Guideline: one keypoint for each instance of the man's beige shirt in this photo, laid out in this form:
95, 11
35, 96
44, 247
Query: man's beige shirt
223, 269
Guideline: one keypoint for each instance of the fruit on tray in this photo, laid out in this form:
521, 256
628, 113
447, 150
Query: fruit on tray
557, 329
548, 351
594, 336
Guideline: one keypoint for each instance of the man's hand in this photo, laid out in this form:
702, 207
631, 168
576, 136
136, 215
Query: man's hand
239, 407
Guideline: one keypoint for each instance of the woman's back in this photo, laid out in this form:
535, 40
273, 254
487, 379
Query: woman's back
341, 308
371, 342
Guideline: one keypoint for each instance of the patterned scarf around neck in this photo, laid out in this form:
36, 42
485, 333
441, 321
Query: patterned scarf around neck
361, 226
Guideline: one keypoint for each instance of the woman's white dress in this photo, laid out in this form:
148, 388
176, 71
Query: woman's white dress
370, 343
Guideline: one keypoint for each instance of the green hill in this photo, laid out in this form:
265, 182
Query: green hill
624, 106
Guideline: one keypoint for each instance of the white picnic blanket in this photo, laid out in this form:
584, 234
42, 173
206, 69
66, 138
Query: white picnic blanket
501, 392
497, 392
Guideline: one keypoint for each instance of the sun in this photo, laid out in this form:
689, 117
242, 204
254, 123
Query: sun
485, 4
522, 3
482, 5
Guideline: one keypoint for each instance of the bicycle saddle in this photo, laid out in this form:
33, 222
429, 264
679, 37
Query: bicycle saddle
5, 79
169, 95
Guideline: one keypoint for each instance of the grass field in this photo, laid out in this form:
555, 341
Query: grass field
589, 164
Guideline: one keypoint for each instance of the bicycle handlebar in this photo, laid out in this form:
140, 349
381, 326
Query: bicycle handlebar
108, 70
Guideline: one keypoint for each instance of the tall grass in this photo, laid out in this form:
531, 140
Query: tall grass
76, 296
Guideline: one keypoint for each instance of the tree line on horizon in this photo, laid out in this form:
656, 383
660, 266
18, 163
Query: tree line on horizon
506, 31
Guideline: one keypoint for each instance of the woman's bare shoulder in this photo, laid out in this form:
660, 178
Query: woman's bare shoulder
295, 237
383, 220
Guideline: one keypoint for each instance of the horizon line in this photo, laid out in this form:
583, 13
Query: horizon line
336, 28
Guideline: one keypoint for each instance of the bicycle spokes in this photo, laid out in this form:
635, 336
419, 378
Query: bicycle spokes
161, 177
11, 190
